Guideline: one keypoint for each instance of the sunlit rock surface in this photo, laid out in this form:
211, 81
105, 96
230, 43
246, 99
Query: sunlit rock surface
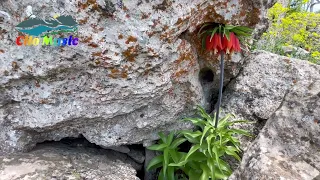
135, 71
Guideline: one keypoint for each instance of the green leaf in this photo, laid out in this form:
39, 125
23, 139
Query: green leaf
161, 176
206, 128
219, 174
202, 27
209, 139
170, 175
192, 137
157, 147
240, 131
205, 172
197, 156
233, 153
170, 138
196, 121
166, 160
155, 162
225, 167
163, 137
181, 163
174, 155
193, 175
177, 142
213, 32
215, 151
229, 27
203, 43
193, 149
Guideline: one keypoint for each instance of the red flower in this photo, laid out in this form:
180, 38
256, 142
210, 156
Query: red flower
228, 46
231, 45
214, 43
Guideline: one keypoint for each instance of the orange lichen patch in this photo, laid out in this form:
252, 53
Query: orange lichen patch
150, 34
116, 54
37, 84
1, 51
125, 8
94, 45
87, 40
97, 54
287, 61
116, 73
113, 71
43, 101
86, 4
316, 121
127, 16
97, 62
180, 73
120, 36
131, 39
15, 65
165, 27
131, 53
295, 81
166, 36
144, 16
83, 21
101, 29
179, 21
124, 75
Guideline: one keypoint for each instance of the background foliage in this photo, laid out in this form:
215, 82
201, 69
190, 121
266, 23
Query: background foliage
293, 27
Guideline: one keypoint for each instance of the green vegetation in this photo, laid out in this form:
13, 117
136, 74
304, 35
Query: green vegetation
293, 28
209, 148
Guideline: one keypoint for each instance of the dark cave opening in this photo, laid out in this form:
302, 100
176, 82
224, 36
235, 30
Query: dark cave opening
136, 152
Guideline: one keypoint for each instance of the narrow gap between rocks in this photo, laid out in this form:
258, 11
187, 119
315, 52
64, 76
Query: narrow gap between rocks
206, 78
134, 153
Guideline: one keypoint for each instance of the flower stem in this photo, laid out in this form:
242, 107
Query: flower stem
220, 88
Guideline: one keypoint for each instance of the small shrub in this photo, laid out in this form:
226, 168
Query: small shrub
296, 28
205, 158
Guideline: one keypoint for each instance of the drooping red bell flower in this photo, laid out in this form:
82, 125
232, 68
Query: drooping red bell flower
231, 45
214, 43
217, 44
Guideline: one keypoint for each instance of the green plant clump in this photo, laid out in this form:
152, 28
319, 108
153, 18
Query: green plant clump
292, 29
205, 158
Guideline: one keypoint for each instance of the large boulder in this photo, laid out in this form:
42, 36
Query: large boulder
132, 74
67, 162
285, 94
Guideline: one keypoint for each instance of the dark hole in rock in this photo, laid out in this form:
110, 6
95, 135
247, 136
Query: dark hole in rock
142, 115
135, 157
206, 76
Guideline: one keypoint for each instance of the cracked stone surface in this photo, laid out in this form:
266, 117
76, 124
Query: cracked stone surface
65, 162
131, 76
285, 92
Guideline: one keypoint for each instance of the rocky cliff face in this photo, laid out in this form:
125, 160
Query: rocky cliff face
285, 95
134, 72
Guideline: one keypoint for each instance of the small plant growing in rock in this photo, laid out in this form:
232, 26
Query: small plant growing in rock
205, 159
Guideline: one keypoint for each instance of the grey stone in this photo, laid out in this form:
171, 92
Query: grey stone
62, 162
286, 93
132, 74
137, 155
122, 149
151, 174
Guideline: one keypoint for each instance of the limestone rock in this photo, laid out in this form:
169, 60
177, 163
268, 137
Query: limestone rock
132, 74
286, 93
63, 162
